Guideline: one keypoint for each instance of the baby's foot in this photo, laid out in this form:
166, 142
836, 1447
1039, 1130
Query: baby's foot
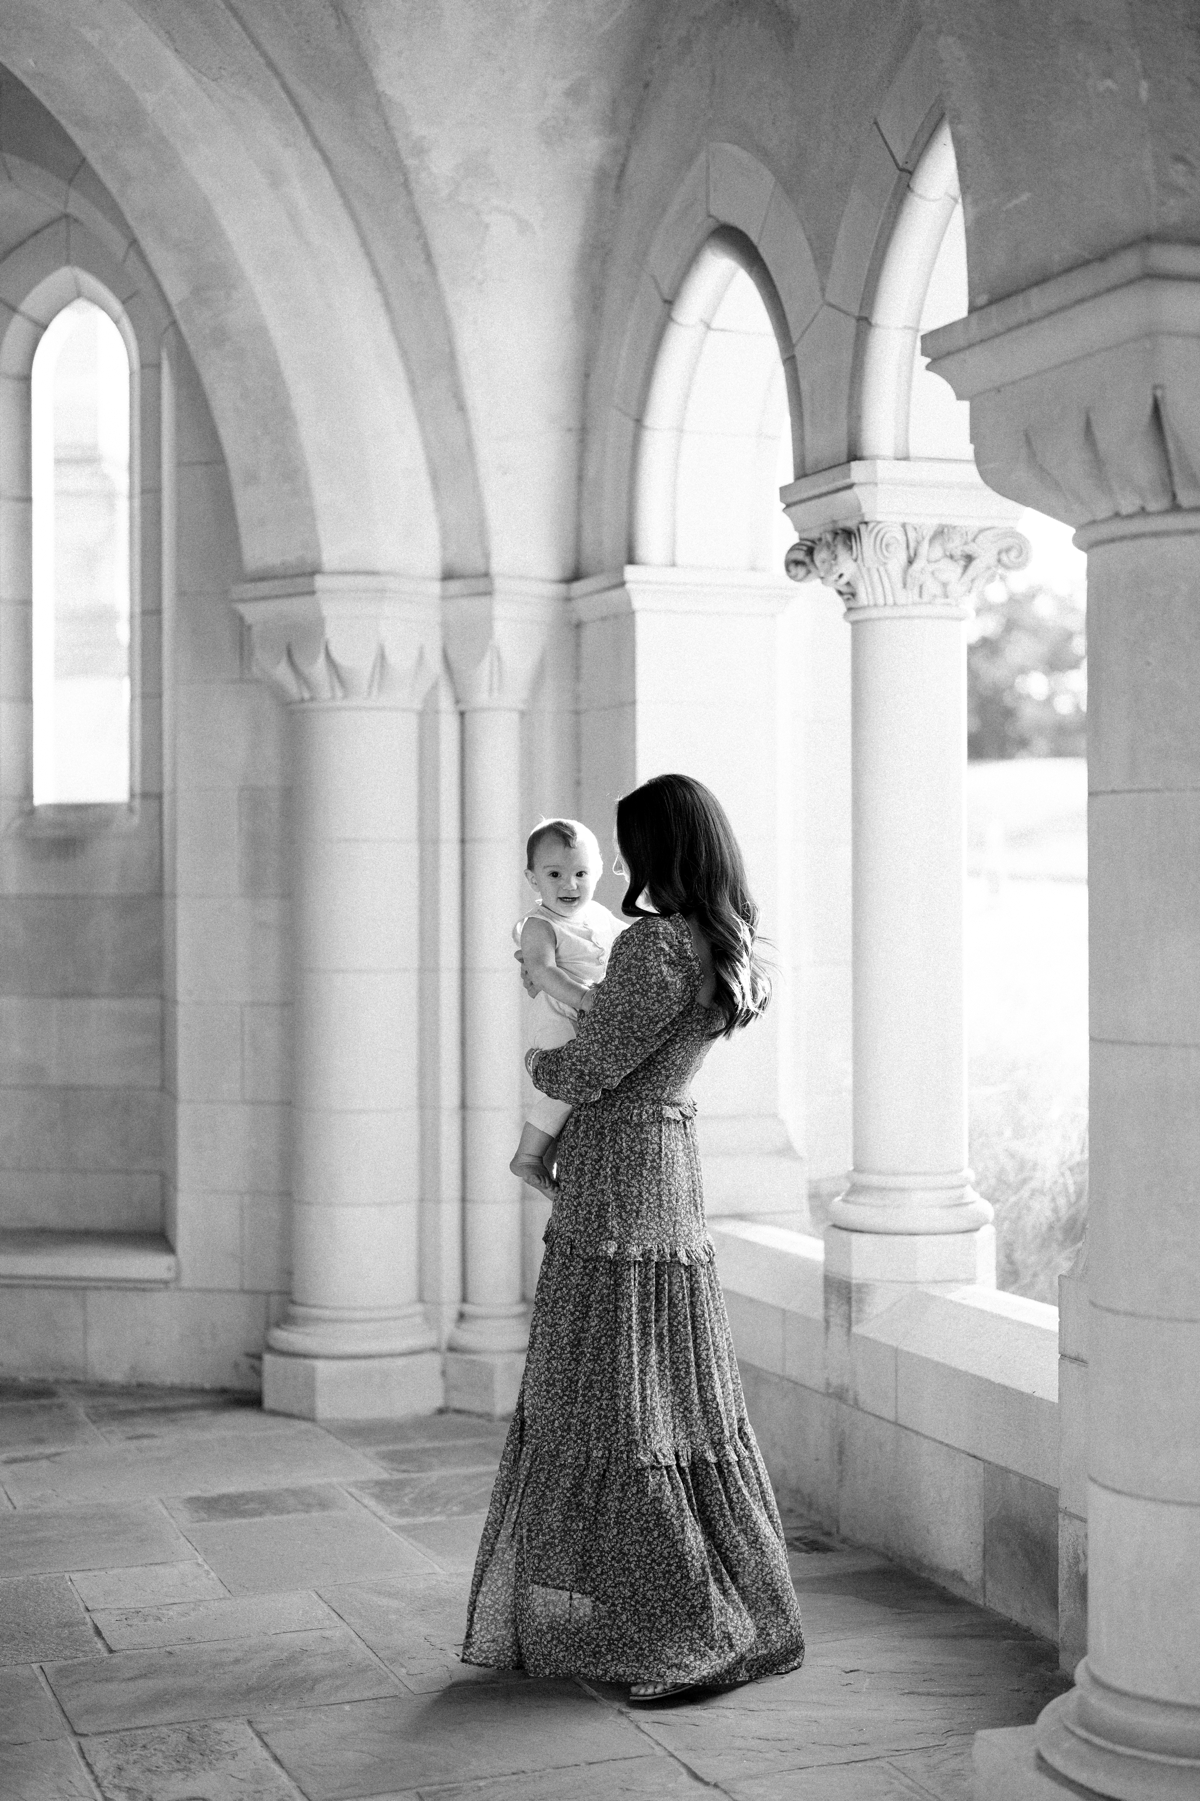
534, 1171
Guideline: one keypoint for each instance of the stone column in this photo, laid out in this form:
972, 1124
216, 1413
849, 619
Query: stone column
907, 584
494, 641
1084, 396
688, 669
353, 656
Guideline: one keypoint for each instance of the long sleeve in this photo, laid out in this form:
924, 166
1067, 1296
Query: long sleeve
652, 977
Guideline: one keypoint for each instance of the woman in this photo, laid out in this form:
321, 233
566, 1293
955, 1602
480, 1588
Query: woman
632, 1535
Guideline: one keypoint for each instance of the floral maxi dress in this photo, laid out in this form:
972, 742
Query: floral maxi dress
632, 1534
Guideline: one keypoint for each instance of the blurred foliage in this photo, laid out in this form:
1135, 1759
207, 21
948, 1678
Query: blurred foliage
1029, 1151
1027, 674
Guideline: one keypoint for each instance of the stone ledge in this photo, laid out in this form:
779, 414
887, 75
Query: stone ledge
943, 1388
972, 1368
39, 1259
772, 1264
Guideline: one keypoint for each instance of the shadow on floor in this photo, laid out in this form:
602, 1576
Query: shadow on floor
203, 1602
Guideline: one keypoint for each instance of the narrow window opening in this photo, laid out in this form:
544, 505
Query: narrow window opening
735, 438
81, 574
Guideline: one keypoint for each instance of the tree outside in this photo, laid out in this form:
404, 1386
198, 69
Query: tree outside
1027, 674
1027, 910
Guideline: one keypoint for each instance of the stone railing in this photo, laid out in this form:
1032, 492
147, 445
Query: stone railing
928, 1429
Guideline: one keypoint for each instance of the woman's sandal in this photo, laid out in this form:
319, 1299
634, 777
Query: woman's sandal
658, 1691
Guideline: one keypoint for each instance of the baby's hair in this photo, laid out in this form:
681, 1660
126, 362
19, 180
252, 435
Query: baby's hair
569, 833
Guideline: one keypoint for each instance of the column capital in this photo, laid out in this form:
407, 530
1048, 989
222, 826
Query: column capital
496, 629
325, 638
885, 569
901, 537
1085, 389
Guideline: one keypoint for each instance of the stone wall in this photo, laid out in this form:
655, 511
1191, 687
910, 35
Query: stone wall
144, 1079
929, 1429
227, 977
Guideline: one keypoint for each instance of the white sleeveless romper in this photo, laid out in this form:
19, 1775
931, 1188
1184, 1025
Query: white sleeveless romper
581, 947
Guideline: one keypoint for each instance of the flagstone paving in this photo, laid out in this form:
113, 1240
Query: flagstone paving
202, 1602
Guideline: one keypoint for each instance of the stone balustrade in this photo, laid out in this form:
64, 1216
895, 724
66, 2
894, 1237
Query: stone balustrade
930, 1430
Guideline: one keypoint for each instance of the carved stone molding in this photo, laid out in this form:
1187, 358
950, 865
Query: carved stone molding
497, 631
881, 569
1085, 390
365, 639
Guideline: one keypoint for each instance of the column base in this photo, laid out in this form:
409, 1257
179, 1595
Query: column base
1010, 1766
488, 1331
485, 1382
1007, 1768
332, 1332
352, 1388
921, 1257
1123, 1746
868, 1272
914, 1205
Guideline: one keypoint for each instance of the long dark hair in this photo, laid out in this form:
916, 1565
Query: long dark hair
680, 851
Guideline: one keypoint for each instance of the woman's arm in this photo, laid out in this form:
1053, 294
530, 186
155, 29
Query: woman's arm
650, 981
538, 949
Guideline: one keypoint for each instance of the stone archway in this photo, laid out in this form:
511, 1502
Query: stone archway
314, 320
728, 190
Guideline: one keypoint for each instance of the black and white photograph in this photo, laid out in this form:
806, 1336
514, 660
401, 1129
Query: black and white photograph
599, 900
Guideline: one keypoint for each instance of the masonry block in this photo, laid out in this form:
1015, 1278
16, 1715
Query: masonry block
1072, 1427
796, 1432
757, 1330
352, 1388
1072, 1589
917, 1500
42, 1332
1020, 1549
175, 1336
266, 1242
484, 1383
208, 1239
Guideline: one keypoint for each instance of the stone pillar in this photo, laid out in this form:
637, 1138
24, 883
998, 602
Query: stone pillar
907, 575
353, 656
693, 669
494, 640
1084, 395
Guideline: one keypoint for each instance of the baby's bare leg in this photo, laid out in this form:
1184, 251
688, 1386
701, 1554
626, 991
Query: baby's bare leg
534, 1161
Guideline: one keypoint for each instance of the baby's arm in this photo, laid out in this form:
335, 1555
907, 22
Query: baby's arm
537, 954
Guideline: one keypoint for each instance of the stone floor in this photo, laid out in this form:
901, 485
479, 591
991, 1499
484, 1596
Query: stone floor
201, 1602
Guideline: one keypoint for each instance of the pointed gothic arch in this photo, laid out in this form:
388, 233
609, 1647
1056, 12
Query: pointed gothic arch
313, 315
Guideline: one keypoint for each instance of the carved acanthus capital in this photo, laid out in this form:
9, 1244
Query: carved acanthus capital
356, 638
883, 568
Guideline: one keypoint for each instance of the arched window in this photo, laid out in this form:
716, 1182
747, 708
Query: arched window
1026, 787
735, 447
716, 442
939, 425
81, 564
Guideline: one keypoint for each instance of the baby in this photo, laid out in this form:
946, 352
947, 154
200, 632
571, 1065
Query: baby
564, 944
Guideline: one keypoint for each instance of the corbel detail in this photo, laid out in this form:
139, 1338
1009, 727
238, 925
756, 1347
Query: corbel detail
363, 639
1085, 389
497, 631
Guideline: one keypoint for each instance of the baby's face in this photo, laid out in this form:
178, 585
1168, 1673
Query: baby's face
565, 879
